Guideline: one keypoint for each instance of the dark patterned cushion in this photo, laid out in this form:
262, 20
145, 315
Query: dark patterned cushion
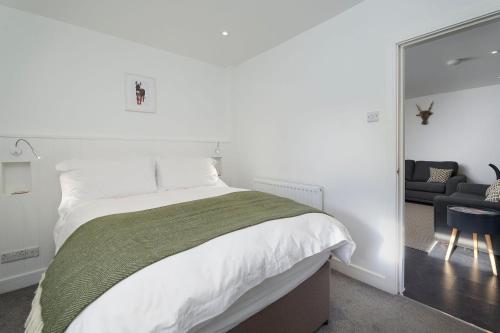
493, 192
439, 175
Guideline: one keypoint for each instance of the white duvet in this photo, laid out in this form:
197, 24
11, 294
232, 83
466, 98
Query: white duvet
179, 292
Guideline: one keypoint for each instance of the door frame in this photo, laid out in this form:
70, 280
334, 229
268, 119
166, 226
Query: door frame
400, 49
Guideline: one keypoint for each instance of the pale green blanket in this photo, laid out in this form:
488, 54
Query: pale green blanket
108, 249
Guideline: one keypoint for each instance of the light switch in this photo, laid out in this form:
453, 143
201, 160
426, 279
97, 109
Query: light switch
372, 117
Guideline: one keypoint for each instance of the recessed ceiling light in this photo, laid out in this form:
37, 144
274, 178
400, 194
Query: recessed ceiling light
453, 62
225, 33
494, 52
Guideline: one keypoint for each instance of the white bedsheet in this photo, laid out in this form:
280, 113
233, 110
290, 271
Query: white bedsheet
262, 295
181, 291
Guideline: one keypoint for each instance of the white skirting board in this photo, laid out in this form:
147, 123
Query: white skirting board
364, 275
20, 281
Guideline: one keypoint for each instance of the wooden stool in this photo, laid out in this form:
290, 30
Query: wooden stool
476, 221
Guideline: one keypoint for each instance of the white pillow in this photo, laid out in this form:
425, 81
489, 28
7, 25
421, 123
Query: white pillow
84, 180
176, 173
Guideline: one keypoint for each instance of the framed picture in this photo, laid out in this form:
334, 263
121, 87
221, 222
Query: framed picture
140, 93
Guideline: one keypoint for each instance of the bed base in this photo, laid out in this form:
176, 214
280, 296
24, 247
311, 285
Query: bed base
303, 310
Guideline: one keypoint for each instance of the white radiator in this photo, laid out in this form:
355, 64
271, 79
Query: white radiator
310, 195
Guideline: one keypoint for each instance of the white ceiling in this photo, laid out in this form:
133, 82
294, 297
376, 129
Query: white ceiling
426, 72
193, 27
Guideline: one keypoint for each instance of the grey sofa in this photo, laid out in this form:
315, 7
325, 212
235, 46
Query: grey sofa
417, 189
467, 195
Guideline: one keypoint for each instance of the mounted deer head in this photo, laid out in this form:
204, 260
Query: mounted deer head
425, 114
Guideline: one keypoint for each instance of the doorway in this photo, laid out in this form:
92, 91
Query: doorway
447, 83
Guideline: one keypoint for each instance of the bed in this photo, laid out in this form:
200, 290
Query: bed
269, 276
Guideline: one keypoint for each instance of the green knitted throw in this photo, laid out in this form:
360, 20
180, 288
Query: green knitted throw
108, 249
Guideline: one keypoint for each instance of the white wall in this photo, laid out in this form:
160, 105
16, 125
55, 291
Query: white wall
463, 128
62, 79
63, 88
300, 115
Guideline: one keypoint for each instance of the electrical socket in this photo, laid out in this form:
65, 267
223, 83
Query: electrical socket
20, 255
32, 252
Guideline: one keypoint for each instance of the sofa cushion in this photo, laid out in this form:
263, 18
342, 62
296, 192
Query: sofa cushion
409, 168
422, 169
466, 196
439, 175
493, 192
492, 187
421, 197
477, 189
426, 187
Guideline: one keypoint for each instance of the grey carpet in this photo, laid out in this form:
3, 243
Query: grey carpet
14, 309
419, 226
355, 307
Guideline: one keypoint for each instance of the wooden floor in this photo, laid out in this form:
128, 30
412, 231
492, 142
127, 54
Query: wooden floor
461, 287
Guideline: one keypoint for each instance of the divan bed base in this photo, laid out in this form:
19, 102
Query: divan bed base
303, 310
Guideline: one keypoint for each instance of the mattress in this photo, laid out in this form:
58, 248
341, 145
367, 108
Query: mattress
215, 285
266, 293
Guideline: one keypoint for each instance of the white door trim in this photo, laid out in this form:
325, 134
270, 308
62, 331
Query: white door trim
400, 49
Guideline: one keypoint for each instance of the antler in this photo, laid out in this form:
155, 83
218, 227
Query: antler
419, 110
430, 107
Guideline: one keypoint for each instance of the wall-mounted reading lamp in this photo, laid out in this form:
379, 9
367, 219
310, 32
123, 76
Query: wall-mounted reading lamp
16, 150
217, 156
217, 152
